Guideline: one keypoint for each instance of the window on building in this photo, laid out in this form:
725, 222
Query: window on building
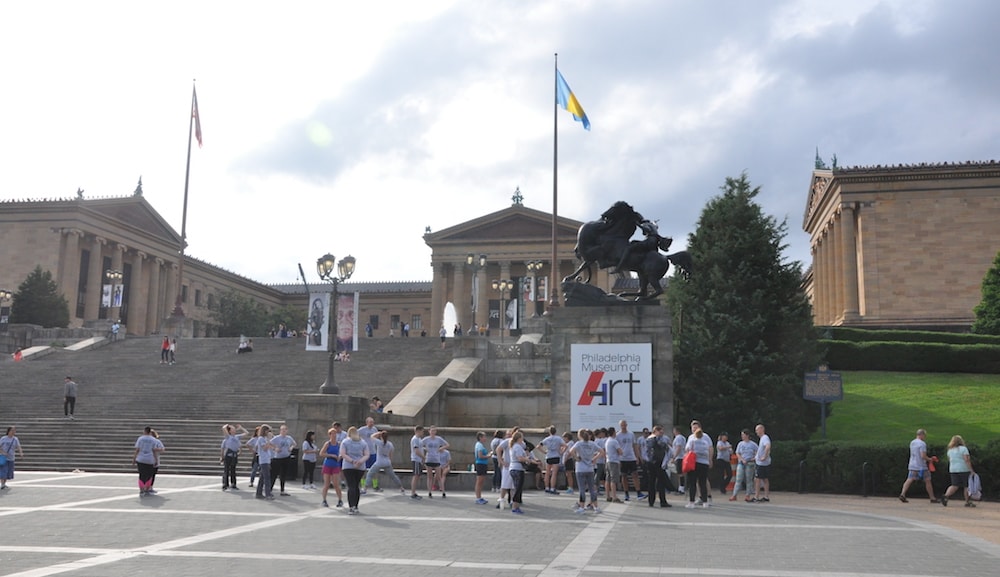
184, 293
415, 323
394, 322
211, 301
373, 321
197, 297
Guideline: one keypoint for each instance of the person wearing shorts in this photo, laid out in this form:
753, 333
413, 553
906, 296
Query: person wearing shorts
916, 469
330, 453
959, 468
554, 447
417, 459
433, 445
613, 471
481, 464
763, 472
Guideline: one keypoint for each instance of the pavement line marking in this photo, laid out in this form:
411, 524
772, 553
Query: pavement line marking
739, 572
572, 560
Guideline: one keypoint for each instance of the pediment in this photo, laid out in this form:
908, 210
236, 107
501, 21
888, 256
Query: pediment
136, 213
817, 189
514, 223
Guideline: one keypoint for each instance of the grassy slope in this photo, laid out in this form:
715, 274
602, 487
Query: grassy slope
890, 407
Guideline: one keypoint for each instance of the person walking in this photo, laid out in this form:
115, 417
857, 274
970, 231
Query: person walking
9, 446
916, 470
366, 433
960, 468
69, 398
165, 351
145, 458
701, 445
354, 455
330, 453
383, 460
481, 460
309, 452
231, 443
746, 465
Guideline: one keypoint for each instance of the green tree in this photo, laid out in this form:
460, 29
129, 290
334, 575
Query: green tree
988, 310
39, 302
743, 324
236, 314
293, 317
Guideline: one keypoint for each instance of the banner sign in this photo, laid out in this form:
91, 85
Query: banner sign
347, 322
319, 318
611, 382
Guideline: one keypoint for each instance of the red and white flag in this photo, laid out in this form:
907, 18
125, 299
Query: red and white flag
194, 114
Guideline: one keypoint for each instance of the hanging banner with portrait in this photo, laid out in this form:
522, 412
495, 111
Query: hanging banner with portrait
347, 322
318, 328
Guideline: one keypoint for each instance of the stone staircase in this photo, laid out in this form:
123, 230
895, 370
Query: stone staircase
123, 387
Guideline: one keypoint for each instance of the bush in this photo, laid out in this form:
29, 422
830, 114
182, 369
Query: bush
903, 336
837, 467
912, 356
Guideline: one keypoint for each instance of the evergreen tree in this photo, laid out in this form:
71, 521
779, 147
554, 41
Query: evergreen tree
988, 310
236, 314
743, 325
39, 302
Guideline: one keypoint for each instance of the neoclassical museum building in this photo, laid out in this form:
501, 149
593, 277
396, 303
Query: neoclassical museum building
117, 258
901, 246
892, 246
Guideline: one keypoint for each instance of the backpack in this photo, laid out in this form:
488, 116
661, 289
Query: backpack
975, 487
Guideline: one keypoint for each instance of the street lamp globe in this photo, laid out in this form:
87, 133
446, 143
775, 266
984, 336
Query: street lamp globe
325, 266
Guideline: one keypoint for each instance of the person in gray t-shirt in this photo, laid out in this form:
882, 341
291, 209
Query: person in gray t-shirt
69, 398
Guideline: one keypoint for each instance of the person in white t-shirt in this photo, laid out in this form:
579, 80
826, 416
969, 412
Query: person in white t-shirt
762, 476
917, 469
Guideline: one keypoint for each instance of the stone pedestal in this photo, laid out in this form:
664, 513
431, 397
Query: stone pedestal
317, 412
638, 323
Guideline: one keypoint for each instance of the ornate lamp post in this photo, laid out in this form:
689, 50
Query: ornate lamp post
5, 295
534, 267
503, 286
325, 270
476, 264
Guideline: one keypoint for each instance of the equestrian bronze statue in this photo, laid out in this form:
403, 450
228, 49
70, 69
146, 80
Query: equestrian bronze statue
607, 243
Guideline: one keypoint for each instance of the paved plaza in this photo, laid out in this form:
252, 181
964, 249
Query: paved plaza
87, 524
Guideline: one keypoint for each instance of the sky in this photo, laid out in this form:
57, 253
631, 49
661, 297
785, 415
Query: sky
350, 127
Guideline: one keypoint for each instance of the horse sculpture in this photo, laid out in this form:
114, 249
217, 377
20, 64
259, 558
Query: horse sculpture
602, 242
607, 244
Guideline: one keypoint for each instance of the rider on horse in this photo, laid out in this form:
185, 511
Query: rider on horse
652, 242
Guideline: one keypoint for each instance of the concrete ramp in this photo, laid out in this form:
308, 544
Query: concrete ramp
533, 338
86, 344
38, 352
425, 394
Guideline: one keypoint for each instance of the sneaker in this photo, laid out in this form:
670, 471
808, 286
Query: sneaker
589, 507
364, 491
378, 489
705, 504
616, 500
430, 495
626, 498
640, 496
151, 491
665, 505
416, 497
944, 501
904, 499
402, 491
270, 497
443, 494
596, 510
224, 488
340, 503
481, 501
234, 488
690, 505
501, 503
570, 491
970, 504
750, 499
251, 483
352, 511
733, 498
680, 490
765, 500
517, 511
325, 504
578, 510
284, 494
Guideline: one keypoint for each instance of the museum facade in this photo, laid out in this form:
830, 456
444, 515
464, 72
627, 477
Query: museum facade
117, 258
902, 246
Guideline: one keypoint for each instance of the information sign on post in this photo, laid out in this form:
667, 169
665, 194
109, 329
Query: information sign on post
823, 386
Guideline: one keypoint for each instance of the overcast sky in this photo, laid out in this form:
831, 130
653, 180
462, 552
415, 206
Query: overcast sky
349, 127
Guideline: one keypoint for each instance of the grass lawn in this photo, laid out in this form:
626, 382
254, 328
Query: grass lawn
890, 407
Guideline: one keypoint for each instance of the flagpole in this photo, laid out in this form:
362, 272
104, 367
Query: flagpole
554, 269
178, 304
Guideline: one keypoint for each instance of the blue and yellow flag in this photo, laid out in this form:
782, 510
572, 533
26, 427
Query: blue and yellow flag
569, 102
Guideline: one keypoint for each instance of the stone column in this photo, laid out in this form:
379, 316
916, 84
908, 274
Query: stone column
482, 315
848, 244
69, 280
170, 289
460, 297
438, 298
137, 297
827, 281
838, 266
153, 301
95, 280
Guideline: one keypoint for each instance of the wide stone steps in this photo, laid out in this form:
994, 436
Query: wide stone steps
123, 387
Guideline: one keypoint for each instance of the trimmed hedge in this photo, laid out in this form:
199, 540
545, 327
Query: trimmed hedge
904, 336
912, 356
837, 467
